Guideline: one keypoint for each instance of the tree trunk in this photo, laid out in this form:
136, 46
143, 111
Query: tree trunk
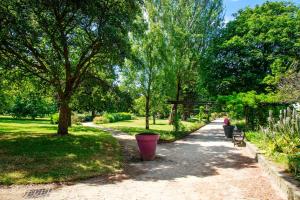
170, 118
69, 117
177, 98
63, 121
153, 117
147, 111
93, 114
174, 111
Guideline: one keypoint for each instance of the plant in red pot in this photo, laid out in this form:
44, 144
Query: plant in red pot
147, 145
228, 129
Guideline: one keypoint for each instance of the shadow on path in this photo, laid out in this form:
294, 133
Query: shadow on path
200, 154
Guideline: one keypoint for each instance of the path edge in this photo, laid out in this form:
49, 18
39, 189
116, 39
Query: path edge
285, 183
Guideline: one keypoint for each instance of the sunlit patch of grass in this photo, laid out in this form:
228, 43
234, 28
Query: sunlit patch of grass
30, 152
161, 127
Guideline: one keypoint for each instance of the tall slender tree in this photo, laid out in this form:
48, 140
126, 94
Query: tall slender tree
189, 26
145, 66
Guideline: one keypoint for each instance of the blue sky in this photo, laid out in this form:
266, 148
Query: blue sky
232, 6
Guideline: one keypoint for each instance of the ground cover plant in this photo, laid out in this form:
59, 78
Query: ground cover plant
30, 152
280, 140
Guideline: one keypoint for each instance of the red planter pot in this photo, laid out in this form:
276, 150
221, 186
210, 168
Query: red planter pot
147, 145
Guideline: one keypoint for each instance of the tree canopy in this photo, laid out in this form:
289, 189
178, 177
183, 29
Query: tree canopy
114, 56
254, 50
59, 41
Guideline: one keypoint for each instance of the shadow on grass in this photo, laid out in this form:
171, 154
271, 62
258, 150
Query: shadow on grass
50, 158
23, 121
23, 131
160, 124
123, 121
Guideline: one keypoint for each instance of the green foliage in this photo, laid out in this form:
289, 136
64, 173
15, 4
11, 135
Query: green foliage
215, 115
280, 140
77, 118
240, 124
289, 87
98, 93
54, 118
203, 114
234, 104
158, 106
139, 106
189, 27
251, 106
113, 117
294, 164
59, 42
177, 124
144, 68
31, 105
170, 40
254, 50
100, 120
285, 133
22, 97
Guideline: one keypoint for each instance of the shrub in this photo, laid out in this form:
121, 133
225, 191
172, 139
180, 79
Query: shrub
115, 117
281, 139
75, 118
31, 105
54, 118
88, 118
177, 124
79, 118
215, 115
100, 120
294, 164
202, 115
112, 117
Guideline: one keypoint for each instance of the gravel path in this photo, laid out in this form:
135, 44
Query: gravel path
204, 166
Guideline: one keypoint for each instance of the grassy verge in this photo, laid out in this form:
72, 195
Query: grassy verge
30, 152
161, 127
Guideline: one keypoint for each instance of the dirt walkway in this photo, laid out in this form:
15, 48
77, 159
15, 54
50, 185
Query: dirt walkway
202, 166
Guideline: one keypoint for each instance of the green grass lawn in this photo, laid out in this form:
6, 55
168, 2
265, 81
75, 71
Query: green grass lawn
30, 152
161, 127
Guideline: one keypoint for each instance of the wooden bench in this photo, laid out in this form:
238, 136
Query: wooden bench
238, 138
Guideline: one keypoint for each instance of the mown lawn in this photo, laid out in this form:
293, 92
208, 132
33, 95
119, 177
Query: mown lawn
30, 152
161, 127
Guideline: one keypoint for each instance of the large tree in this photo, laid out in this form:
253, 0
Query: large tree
189, 26
254, 50
60, 40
